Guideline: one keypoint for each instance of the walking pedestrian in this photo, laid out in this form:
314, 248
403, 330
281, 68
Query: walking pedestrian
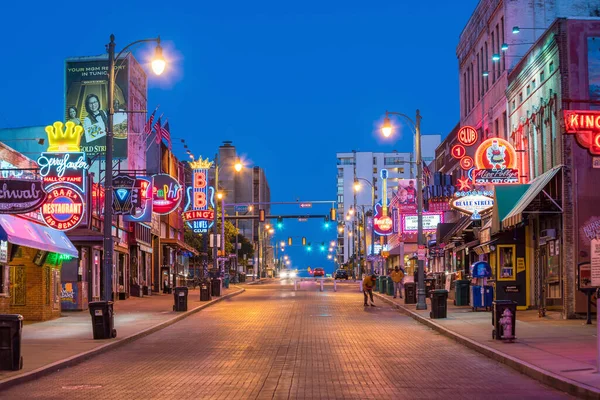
368, 284
397, 278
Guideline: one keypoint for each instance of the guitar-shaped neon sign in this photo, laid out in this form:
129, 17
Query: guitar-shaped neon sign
382, 223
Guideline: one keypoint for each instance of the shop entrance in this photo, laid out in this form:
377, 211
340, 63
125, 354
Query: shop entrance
551, 274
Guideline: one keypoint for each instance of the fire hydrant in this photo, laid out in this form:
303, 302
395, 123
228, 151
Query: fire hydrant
506, 324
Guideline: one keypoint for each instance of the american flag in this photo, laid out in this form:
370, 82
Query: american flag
148, 126
158, 130
426, 172
166, 133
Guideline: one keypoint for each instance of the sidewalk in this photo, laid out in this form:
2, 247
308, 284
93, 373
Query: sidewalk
52, 345
559, 353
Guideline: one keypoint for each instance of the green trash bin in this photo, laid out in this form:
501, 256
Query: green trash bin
377, 283
226, 281
382, 284
461, 292
390, 286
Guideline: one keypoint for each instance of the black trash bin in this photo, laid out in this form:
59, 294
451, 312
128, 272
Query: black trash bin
215, 287
11, 327
205, 288
103, 319
504, 318
410, 293
461, 294
439, 303
180, 297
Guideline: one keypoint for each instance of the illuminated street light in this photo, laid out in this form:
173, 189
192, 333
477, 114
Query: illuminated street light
158, 63
267, 227
332, 243
219, 195
329, 256
356, 186
271, 231
282, 243
238, 165
386, 129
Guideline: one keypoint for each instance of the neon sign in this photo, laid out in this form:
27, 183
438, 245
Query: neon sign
473, 203
410, 223
467, 136
19, 196
198, 216
495, 163
586, 127
166, 194
64, 207
383, 224
63, 161
126, 195
142, 212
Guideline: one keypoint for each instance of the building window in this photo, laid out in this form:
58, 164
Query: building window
393, 160
374, 160
493, 63
340, 198
542, 76
533, 84
520, 97
375, 170
551, 67
514, 105
4, 279
340, 190
528, 90
496, 128
505, 125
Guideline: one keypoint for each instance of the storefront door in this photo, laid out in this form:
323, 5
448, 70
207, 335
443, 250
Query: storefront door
550, 258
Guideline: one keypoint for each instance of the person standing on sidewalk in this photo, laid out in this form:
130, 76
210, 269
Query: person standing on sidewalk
397, 278
368, 284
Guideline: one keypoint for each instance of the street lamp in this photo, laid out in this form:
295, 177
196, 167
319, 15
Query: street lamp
357, 188
158, 66
387, 131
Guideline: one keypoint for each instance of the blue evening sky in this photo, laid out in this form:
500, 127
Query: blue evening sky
289, 82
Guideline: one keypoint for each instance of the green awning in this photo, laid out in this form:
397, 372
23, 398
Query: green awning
515, 216
505, 199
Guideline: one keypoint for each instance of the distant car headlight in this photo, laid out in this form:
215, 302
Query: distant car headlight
293, 274
284, 274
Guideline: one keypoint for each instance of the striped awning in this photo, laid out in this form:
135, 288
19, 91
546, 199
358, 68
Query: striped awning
515, 216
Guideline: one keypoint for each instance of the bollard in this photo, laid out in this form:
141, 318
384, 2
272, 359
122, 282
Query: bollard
334, 285
295, 285
321, 285
360, 286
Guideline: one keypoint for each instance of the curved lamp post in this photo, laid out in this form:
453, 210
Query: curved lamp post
158, 66
387, 130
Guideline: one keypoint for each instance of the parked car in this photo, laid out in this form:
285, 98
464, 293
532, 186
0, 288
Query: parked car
341, 274
318, 272
287, 274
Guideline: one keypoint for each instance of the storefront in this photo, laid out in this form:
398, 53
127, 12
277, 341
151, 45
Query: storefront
31, 257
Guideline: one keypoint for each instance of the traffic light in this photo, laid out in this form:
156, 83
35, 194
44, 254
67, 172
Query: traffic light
303, 241
279, 223
332, 215
326, 222
309, 248
322, 246
289, 241
261, 215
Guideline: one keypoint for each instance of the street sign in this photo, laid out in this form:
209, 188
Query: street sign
595, 262
302, 219
305, 205
241, 209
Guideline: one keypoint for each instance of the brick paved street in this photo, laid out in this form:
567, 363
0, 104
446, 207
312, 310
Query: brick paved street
272, 342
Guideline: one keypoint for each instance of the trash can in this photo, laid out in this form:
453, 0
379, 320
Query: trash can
390, 286
215, 285
205, 288
461, 292
11, 328
410, 293
377, 284
382, 284
180, 296
226, 282
439, 303
488, 296
504, 318
429, 286
103, 319
242, 277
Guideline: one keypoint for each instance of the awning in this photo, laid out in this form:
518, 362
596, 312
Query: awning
457, 230
505, 199
536, 186
484, 248
178, 243
22, 232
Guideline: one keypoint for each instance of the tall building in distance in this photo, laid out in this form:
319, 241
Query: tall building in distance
246, 187
365, 167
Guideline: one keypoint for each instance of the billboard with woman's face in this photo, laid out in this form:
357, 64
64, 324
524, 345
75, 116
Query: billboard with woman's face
87, 103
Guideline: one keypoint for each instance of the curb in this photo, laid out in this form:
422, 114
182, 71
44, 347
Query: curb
548, 378
79, 358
